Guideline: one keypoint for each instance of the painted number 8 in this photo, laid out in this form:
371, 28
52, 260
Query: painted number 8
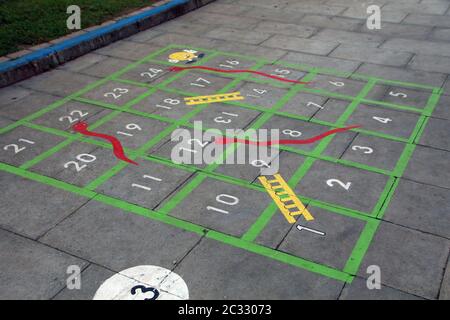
292, 133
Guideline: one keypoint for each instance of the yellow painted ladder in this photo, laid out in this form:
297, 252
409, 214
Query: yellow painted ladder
285, 198
190, 101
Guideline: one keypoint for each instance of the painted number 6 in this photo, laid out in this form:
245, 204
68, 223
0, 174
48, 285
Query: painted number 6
331, 182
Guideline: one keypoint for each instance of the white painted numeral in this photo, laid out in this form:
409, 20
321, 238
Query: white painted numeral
116, 93
230, 64
281, 72
221, 119
201, 80
71, 117
260, 163
16, 147
382, 120
331, 182
310, 103
225, 199
83, 157
398, 94
292, 133
131, 127
151, 73
337, 83
146, 188
367, 150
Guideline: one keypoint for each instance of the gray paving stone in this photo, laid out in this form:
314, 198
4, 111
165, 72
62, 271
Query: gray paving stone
331, 110
66, 115
320, 61
5, 122
349, 37
307, 130
260, 95
394, 73
82, 62
232, 218
200, 83
222, 116
409, 260
238, 22
446, 87
375, 152
418, 46
22, 144
273, 14
132, 131
149, 73
58, 82
429, 166
384, 120
166, 104
228, 9
397, 30
91, 279
304, 104
441, 34
363, 192
180, 27
444, 294
412, 97
358, 290
428, 20
360, 12
431, 63
252, 167
443, 108
421, 207
267, 4
288, 29
165, 148
26, 212
105, 67
108, 236
61, 165
330, 22
114, 92
251, 37
31, 270
251, 50
127, 50
228, 62
169, 38
302, 45
12, 94
20, 107
145, 36
427, 8
316, 8
145, 185
232, 269
436, 134
334, 248
337, 85
373, 55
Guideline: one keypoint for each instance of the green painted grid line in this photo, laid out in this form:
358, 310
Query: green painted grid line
226, 53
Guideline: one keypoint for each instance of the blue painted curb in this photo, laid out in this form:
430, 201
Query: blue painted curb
69, 43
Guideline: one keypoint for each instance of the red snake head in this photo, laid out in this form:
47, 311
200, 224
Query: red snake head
80, 126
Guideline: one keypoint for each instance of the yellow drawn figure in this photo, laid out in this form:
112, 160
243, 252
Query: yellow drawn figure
186, 56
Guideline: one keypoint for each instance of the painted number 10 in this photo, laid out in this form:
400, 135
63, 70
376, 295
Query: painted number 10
225, 199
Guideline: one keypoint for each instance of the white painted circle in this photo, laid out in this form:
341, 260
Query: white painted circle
143, 281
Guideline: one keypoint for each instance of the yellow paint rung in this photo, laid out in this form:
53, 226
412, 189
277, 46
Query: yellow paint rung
280, 202
213, 98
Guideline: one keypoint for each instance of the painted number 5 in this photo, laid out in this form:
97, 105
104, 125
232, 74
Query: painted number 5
331, 183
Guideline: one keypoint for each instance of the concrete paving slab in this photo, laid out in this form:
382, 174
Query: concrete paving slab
31, 270
436, 133
409, 260
200, 83
165, 104
108, 238
17, 107
114, 92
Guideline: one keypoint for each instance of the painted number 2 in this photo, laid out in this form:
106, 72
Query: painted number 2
332, 182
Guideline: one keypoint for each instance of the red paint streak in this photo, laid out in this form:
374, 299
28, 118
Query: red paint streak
237, 71
225, 140
82, 127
